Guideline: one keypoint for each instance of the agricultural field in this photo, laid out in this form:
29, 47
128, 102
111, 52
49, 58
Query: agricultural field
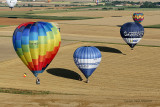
124, 78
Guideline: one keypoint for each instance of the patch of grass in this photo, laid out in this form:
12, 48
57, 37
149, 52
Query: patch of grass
20, 91
30, 13
85, 7
30, 92
50, 11
153, 26
49, 17
4, 25
34, 12
61, 2
141, 9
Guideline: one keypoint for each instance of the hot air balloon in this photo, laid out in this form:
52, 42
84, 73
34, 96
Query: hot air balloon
97, 1
49, 1
11, 3
87, 60
36, 44
138, 17
132, 33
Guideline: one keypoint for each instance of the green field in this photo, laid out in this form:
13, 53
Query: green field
4, 25
19, 91
29, 92
142, 9
64, 2
153, 26
130, 8
36, 11
48, 17
30, 15
90, 7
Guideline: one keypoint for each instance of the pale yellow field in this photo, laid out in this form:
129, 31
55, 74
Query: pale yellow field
133, 76
124, 78
101, 13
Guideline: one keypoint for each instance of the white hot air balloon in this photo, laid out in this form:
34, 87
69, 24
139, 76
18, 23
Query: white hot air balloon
11, 3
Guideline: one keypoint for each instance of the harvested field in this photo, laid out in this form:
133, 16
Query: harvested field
111, 80
110, 13
124, 78
30, 8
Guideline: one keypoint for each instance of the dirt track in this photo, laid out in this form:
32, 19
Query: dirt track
124, 78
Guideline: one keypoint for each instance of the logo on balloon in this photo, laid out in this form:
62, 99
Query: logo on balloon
139, 33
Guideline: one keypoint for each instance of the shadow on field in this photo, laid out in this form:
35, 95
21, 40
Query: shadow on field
108, 49
116, 16
119, 25
64, 73
12, 17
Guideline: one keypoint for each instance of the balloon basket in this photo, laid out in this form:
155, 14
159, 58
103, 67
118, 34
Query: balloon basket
87, 81
37, 81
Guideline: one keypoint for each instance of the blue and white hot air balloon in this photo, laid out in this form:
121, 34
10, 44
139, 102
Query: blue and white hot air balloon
87, 59
132, 33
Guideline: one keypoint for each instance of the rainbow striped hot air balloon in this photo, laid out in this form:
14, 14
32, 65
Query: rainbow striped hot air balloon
138, 17
36, 44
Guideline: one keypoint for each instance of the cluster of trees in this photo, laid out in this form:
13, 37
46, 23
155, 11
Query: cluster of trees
142, 5
113, 3
125, 2
150, 5
30, 5
121, 2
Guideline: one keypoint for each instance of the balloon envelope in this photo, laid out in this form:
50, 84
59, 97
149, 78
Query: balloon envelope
132, 33
87, 59
97, 1
138, 17
11, 3
36, 44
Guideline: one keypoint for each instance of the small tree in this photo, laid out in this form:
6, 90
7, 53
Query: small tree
148, 5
